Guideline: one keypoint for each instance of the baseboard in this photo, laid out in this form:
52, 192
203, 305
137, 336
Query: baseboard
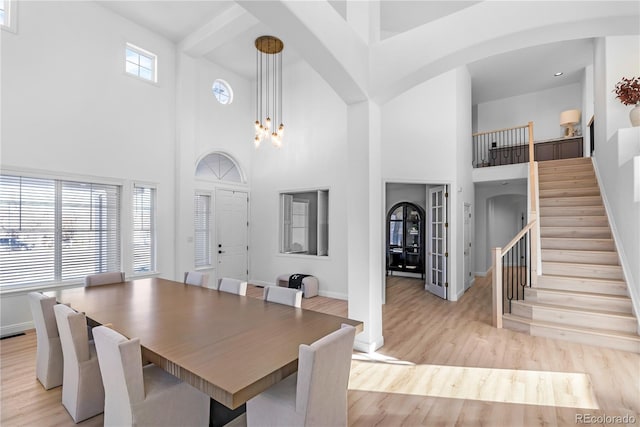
405, 274
261, 283
483, 273
368, 347
335, 295
15, 328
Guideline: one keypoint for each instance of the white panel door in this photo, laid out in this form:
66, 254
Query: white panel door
437, 237
467, 246
232, 233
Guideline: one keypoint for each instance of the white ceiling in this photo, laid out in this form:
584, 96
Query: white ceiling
509, 74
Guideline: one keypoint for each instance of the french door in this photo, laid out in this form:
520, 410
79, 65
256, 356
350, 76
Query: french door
437, 282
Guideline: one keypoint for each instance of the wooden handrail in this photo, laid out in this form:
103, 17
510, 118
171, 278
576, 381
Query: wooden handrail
501, 130
518, 237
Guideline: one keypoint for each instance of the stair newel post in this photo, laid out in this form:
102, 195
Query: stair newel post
496, 254
533, 203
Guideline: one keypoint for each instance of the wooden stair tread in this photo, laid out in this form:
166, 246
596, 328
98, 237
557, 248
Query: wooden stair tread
582, 294
579, 264
580, 251
613, 282
579, 329
590, 311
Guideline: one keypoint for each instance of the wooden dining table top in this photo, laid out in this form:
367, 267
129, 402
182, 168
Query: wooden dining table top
230, 347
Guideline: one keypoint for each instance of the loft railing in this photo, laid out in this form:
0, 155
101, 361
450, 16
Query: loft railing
501, 147
516, 265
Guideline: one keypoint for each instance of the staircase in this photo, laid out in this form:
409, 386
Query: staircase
582, 295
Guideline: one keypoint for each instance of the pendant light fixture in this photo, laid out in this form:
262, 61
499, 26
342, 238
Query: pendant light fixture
268, 90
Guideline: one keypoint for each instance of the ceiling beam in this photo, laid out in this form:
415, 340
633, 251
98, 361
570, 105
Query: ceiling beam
322, 38
220, 30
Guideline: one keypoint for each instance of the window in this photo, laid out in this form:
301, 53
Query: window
222, 91
144, 229
54, 230
202, 233
7, 14
304, 226
140, 63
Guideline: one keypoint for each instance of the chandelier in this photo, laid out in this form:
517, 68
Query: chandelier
268, 90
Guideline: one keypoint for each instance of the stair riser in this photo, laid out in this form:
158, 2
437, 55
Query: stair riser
582, 183
572, 192
579, 285
561, 170
574, 336
576, 232
580, 257
572, 211
583, 270
577, 201
578, 244
565, 162
575, 318
574, 221
568, 176
578, 301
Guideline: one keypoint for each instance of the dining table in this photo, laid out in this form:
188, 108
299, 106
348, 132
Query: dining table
230, 347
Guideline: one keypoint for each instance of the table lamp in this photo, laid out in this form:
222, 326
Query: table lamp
568, 119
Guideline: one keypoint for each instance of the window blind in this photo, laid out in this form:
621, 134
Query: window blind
144, 253
202, 230
53, 230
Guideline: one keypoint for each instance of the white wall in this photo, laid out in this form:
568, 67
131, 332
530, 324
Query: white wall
426, 134
484, 194
543, 108
69, 109
313, 156
397, 192
617, 152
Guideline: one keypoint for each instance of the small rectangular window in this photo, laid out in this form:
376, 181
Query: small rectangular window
304, 225
202, 230
144, 229
7, 14
140, 63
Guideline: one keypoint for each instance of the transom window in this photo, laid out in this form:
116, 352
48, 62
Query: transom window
7, 14
219, 166
53, 230
140, 63
222, 91
3, 13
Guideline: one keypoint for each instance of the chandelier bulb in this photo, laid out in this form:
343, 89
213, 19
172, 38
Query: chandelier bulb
257, 125
280, 130
256, 141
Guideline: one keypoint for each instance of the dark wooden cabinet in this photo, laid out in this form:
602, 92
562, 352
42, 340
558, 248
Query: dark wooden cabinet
555, 149
565, 148
405, 238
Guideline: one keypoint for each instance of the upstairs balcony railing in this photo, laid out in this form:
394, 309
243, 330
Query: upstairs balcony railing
501, 147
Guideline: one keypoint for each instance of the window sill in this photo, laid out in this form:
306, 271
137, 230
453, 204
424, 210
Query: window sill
23, 290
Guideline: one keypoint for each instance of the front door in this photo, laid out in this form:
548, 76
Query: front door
232, 233
438, 223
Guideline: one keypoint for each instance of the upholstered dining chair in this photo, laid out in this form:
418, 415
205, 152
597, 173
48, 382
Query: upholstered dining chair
49, 350
317, 394
145, 396
233, 286
196, 278
82, 390
104, 278
288, 296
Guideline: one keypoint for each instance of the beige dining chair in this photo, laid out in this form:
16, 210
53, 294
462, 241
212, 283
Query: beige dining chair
49, 350
145, 396
104, 278
196, 278
233, 286
317, 394
288, 296
82, 390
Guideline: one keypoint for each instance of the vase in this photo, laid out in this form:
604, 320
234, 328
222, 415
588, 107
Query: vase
634, 115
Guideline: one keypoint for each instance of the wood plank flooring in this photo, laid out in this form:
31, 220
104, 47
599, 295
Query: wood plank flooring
442, 365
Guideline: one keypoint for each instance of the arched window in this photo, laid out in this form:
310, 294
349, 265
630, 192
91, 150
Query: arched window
219, 166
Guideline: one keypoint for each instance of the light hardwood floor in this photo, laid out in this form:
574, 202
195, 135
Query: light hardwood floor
442, 365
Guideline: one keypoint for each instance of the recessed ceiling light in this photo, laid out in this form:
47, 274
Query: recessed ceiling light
558, 74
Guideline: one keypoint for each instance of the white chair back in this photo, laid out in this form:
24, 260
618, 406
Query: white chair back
121, 367
104, 278
323, 378
281, 295
196, 278
49, 351
82, 390
233, 286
